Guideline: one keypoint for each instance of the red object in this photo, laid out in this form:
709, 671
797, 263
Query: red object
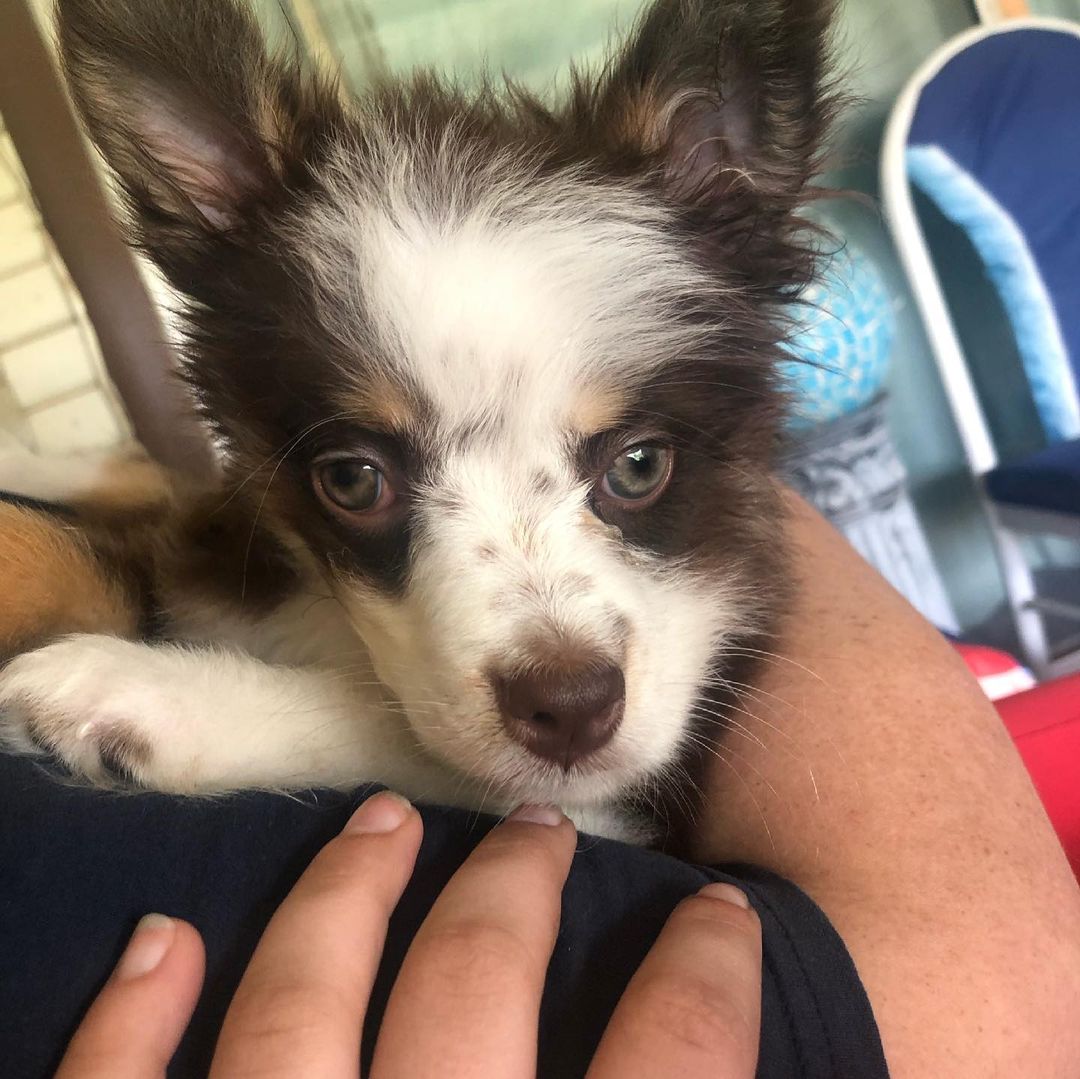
1045, 725
998, 673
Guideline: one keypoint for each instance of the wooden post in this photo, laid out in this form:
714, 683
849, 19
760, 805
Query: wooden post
995, 11
76, 211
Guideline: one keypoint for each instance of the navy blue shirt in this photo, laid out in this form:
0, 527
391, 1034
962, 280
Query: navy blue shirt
79, 867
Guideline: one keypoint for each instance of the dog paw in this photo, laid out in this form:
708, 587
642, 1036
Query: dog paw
92, 701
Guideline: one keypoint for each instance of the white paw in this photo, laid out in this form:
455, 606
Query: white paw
102, 705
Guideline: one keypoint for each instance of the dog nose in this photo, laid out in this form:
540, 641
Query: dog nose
562, 715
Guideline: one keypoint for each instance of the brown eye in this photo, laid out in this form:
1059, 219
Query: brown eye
354, 485
639, 475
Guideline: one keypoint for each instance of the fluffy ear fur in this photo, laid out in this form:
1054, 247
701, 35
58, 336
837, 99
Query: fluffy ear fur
729, 102
200, 125
729, 91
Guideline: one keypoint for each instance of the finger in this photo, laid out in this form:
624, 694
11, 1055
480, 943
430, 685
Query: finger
694, 1005
300, 1007
134, 1026
467, 999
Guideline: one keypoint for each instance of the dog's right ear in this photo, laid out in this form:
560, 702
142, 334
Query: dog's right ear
728, 93
726, 103
201, 126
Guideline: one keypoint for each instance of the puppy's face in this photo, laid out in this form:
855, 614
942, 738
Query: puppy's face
522, 501
506, 370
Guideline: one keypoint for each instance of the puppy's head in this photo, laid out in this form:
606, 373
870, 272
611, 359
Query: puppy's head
504, 369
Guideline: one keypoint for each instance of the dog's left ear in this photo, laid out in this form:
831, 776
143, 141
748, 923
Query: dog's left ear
200, 124
728, 97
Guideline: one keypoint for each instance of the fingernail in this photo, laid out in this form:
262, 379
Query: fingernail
381, 813
538, 814
728, 893
149, 944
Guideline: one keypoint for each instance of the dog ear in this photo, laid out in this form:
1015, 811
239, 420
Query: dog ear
731, 95
199, 124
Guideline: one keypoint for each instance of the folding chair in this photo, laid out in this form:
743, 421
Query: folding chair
989, 130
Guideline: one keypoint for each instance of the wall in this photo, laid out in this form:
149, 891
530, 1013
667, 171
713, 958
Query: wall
54, 395
1062, 9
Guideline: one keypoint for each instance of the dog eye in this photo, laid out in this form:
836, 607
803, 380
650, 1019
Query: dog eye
639, 475
354, 485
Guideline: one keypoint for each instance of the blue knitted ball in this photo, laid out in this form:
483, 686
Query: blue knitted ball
844, 329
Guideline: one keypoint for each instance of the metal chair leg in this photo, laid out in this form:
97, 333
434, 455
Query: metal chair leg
1021, 594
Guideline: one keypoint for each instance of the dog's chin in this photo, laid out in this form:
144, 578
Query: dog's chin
584, 784
510, 775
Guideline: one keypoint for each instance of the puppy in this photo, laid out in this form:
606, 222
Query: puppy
495, 385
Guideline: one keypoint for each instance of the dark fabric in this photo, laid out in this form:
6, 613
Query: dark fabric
79, 867
1047, 480
1012, 98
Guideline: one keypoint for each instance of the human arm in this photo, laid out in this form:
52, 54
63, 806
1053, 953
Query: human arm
880, 780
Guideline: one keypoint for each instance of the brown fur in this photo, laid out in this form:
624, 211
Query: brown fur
123, 751
124, 557
385, 402
55, 582
595, 412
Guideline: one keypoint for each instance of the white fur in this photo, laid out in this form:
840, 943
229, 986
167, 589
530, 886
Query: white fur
483, 277
509, 299
217, 720
555, 575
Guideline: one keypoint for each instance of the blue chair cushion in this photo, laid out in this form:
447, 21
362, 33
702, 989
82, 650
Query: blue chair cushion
995, 143
1003, 113
1048, 480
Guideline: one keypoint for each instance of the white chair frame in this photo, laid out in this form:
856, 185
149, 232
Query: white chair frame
1007, 523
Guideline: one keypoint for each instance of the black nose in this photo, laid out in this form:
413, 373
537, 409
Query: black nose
562, 715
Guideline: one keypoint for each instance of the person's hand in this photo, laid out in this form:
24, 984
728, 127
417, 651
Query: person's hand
467, 999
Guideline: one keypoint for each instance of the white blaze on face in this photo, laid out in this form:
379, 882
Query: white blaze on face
516, 312
479, 278
550, 579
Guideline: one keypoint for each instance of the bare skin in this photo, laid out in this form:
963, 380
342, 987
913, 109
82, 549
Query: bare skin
882, 782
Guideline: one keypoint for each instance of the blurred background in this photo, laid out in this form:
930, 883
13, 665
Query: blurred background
55, 396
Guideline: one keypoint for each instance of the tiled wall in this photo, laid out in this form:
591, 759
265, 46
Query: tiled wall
54, 394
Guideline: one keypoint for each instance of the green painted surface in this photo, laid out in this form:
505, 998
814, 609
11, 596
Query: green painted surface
1061, 9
